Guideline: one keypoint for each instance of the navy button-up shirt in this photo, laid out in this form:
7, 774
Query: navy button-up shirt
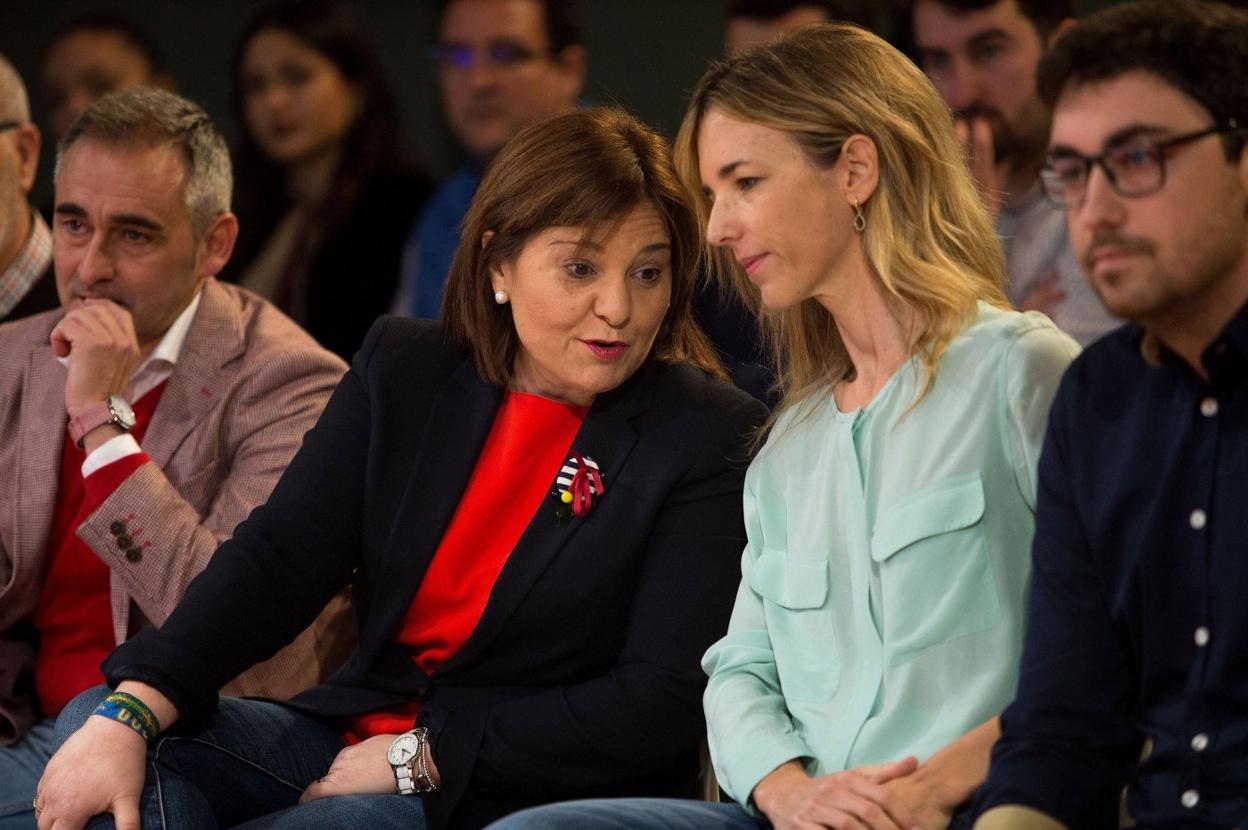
1137, 639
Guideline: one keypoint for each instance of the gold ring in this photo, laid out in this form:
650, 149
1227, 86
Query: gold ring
34, 802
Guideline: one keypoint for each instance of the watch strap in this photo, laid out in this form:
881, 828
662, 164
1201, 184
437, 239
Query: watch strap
113, 411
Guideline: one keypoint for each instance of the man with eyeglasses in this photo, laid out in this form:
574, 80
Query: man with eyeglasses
27, 285
1135, 667
981, 55
502, 65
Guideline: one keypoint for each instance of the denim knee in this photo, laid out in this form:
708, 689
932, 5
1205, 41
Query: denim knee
77, 711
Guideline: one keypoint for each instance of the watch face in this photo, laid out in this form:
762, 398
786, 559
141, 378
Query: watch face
402, 750
122, 414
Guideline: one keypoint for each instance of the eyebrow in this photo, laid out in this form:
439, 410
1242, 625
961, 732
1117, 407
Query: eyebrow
1117, 137
727, 169
590, 244
980, 38
134, 220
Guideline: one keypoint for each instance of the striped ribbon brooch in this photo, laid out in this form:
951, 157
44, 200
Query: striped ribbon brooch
579, 482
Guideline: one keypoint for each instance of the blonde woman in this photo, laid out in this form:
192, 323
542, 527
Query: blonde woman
877, 630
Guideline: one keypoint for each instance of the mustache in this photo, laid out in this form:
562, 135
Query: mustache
1113, 239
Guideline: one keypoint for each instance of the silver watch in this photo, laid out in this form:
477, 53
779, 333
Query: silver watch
407, 758
403, 751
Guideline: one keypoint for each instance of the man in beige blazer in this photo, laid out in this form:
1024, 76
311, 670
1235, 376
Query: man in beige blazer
142, 421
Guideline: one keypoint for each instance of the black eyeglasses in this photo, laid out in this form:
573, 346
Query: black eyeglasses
1135, 166
501, 54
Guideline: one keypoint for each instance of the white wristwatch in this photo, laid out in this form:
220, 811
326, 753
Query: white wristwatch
407, 757
400, 755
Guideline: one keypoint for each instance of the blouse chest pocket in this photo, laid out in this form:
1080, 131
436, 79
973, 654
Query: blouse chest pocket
935, 575
800, 625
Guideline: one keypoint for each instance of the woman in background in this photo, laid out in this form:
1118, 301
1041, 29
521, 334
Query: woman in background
324, 205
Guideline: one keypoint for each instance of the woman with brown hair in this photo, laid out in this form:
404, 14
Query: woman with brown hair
538, 506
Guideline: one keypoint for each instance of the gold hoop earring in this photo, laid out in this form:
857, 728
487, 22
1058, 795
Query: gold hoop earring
860, 221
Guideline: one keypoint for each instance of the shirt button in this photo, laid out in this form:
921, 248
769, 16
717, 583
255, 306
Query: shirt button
1200, 741
1189, 799
117, 528
133, 555
1201, 636
1198, 519
1209, 407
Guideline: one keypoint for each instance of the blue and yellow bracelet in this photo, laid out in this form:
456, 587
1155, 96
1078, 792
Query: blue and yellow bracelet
129, 710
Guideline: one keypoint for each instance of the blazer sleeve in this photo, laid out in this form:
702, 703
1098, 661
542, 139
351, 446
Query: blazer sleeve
280, 568
643, 716
281, 401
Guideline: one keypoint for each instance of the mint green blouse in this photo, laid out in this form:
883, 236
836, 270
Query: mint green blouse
882, 604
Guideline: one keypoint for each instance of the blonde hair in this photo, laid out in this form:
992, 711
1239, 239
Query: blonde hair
928, 239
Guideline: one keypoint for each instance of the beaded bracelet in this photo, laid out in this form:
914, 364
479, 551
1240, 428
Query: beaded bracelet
129, 710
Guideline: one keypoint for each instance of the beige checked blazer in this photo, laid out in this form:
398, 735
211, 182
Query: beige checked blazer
248, 384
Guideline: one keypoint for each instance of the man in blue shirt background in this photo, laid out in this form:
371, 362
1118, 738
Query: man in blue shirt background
1135, 669
502, 65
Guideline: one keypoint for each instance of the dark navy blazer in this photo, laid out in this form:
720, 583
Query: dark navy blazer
582, 676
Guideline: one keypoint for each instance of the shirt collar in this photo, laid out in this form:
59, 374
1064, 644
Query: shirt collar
1225, 359
28, 266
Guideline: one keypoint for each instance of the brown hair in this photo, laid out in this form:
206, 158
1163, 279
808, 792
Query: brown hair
928, 239
586, 169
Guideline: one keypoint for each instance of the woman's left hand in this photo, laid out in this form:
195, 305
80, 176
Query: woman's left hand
361, 769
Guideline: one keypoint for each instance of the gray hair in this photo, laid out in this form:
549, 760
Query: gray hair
150, 117
13, 101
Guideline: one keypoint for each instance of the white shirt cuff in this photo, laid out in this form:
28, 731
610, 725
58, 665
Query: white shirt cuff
111, 450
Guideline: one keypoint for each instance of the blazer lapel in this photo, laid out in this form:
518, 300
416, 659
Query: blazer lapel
42, 441
607, 436
460, 417
214, 339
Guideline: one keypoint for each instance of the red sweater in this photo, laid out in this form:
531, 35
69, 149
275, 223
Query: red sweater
74, 615
515, 473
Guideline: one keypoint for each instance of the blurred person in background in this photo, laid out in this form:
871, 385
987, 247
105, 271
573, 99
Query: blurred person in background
982, 56
95, 54
27, 283
323, 201
502, 65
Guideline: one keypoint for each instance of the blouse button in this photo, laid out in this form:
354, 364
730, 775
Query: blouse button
1200, 741
1201, 636
1189, 799
1209, 407
1198, 519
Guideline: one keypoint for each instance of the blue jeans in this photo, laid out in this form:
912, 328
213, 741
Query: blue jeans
247, 768
648, 814
21, 767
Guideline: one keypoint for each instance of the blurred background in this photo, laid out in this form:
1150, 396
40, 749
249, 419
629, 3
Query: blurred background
645, 55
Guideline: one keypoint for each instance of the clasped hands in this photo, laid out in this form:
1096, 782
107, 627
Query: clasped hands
892, 796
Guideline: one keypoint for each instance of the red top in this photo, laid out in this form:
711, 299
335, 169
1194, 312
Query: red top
514, 475
74, 615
